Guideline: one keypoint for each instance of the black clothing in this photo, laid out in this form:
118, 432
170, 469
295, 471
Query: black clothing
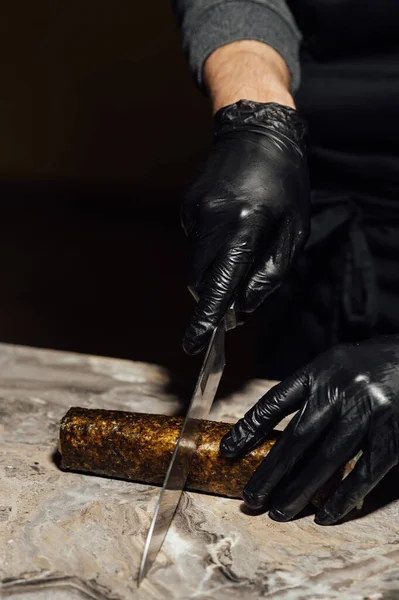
346, 284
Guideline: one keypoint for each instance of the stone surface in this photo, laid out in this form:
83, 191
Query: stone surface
70, 536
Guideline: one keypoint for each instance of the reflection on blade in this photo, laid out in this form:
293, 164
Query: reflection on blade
179, 467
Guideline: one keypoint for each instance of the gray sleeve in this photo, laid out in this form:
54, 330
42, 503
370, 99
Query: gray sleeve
208, 24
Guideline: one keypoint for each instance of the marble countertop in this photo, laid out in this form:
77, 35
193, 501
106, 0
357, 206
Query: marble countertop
71, 536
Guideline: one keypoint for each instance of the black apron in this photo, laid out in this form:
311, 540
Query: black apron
345, 286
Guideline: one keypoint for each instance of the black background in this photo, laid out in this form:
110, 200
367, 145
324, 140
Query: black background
100, 125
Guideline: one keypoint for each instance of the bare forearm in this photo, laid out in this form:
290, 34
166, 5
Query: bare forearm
247, 70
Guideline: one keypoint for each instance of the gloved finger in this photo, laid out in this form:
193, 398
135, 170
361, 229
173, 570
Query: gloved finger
216, 295
205, 249
301, 433
280, 401
337, 448
270, 269
375, 462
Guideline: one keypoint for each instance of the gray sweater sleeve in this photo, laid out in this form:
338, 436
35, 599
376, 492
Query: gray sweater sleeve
208, 24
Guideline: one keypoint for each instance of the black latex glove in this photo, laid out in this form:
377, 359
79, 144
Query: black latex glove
348, 400
246, 214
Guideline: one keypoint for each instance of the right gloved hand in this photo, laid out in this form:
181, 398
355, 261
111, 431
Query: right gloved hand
346, 402
246, 214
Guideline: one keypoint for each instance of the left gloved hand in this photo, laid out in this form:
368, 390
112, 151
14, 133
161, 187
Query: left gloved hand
348, 400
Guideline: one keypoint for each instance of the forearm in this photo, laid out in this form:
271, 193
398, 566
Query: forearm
249, 70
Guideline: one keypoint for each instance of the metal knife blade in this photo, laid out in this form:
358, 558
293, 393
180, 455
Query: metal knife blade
176, 476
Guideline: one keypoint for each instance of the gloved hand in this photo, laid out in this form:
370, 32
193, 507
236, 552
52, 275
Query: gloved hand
246, 214
348, 400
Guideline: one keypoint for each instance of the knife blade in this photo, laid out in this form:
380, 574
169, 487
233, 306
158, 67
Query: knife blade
178, 470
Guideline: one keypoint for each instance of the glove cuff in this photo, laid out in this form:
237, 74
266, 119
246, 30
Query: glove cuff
267, 115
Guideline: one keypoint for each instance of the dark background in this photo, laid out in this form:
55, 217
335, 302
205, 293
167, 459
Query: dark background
101, 125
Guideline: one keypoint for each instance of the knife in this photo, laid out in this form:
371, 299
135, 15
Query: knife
176, 476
